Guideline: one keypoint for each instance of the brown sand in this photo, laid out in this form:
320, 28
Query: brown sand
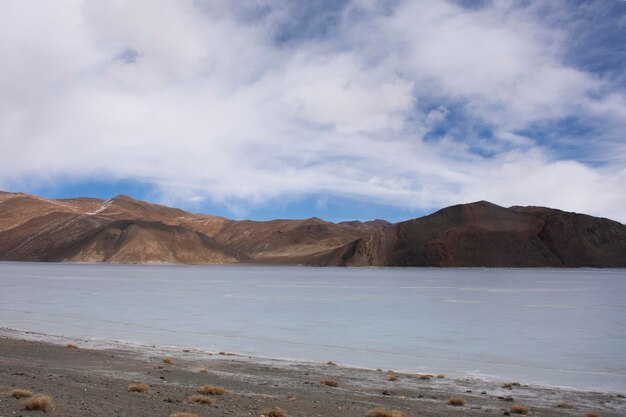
94, 382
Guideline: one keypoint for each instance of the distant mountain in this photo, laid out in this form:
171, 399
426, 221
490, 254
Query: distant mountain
486, 235
125, 230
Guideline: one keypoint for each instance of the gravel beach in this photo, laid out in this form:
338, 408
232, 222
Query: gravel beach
93, 380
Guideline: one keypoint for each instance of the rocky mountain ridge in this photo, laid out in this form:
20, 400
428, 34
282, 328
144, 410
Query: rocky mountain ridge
125, 230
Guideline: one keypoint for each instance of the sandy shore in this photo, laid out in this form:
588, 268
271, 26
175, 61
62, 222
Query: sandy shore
93, 380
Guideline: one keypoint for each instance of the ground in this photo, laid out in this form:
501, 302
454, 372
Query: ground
87, 382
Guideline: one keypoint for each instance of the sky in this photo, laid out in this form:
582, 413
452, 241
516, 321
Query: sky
353, 109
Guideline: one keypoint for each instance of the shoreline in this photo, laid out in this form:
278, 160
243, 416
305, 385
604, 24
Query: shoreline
143, 349
92, 380
304, 265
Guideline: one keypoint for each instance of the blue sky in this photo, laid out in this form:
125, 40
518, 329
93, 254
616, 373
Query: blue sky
353, 109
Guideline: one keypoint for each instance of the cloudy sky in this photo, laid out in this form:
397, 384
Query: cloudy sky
339, 109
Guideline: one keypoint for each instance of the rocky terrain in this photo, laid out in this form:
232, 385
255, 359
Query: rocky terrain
486, 235
125, 230
90, 380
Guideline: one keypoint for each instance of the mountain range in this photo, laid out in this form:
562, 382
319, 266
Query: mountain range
480, 234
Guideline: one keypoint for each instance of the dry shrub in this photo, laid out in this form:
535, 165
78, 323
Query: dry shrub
273, 412
71, 346
519, 409
212, 390
510, 385
565, 405
425, 377
39, 402
183, 414
201, 399
392, 377
329, 382
456, 401
139, 387
441, 376
222, 353
331, 363
384, 412
593, 415
186, 350
21, 393
168, 361
203, 370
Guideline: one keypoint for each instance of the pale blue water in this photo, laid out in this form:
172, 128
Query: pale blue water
542, 326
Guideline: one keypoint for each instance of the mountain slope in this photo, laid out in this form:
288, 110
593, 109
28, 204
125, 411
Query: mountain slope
126, 230
117, 230
484, 234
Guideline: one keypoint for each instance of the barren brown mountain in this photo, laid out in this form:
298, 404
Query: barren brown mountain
126, 230
484, 234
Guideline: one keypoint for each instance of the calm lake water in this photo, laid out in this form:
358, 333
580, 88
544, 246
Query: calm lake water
543, 326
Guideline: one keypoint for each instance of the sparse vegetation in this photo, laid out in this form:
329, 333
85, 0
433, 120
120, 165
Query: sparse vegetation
392, 377
456, 402
211, 390
384, 412
519, 409
39, 402
201, 399
273, 412
331, 363
565, 406
139, 387
329, 382
203, 370
21, 393
441, 376
71, 346
425, 377
510, 385
168, 361
593, 415
183, 414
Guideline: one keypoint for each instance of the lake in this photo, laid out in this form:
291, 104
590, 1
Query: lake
562, 327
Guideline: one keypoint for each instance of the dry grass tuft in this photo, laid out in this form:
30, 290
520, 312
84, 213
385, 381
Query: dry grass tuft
331, 363
593, 415
222, 353
510, 385
329, 382
183, 414
567, 406
139, 387
425, 377
456, 401
39, 402
21, 393
519, 409
201, 399
273, 412
168, 361
441, 376
203, 370
212, 390
392, 377
71, 346
384, 412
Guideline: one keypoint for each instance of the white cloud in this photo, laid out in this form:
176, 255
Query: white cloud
213, 107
